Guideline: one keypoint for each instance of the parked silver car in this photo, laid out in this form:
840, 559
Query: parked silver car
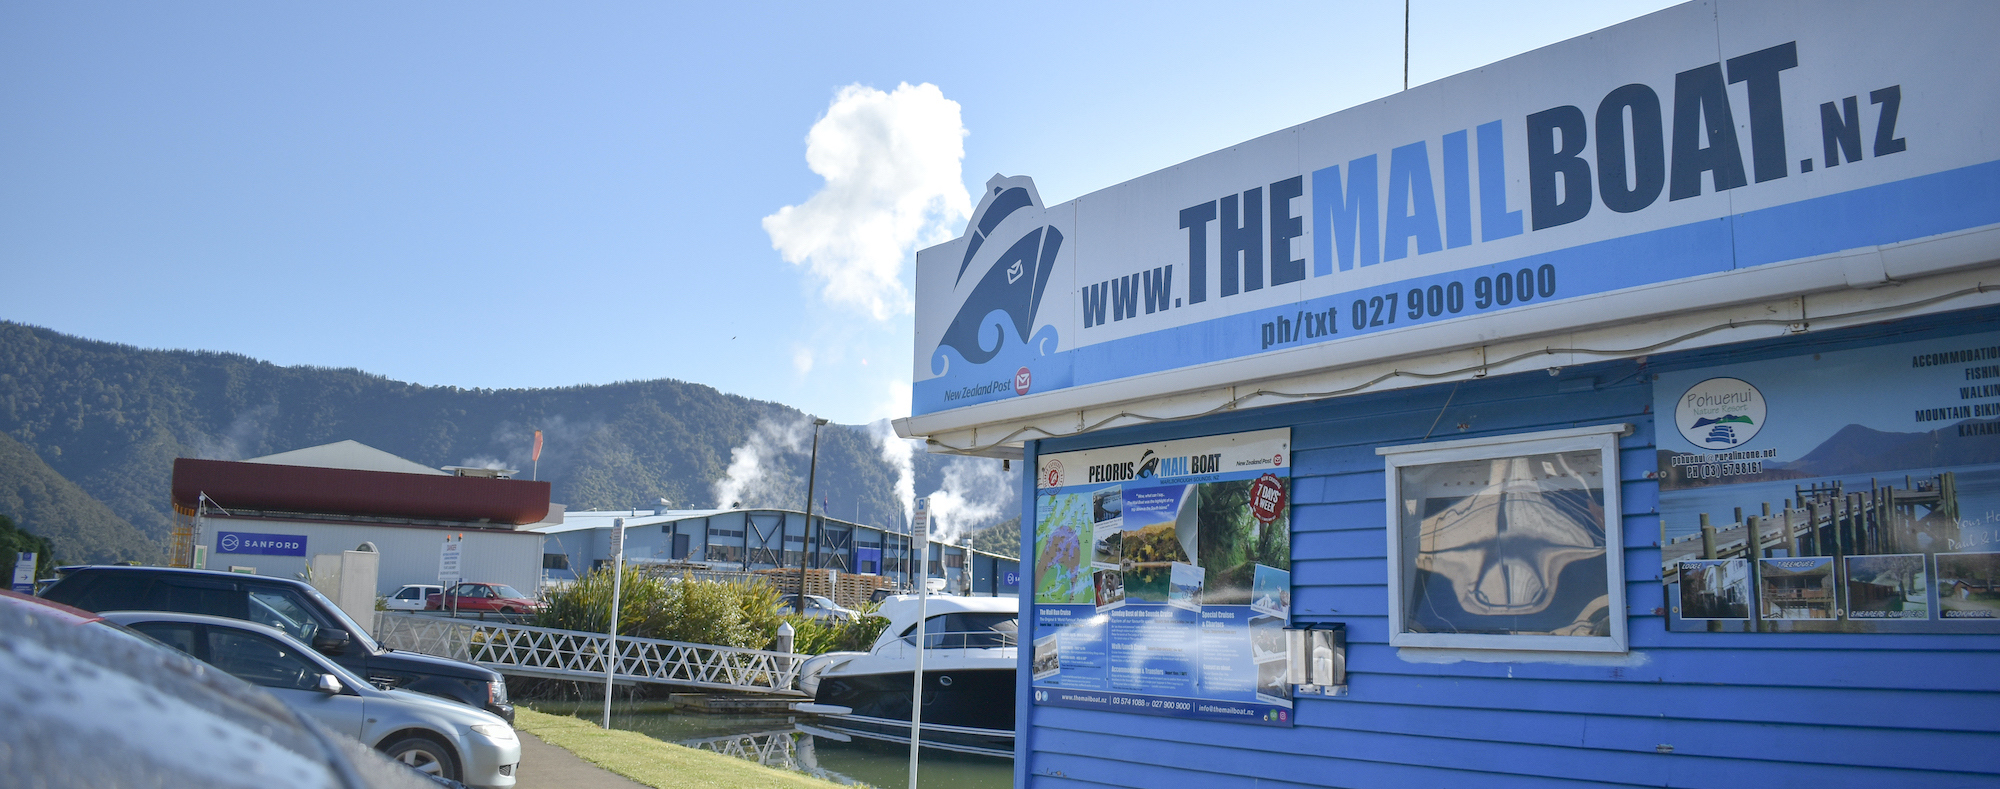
88, 704
428, 733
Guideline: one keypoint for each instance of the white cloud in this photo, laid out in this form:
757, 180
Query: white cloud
893, 181
802, 360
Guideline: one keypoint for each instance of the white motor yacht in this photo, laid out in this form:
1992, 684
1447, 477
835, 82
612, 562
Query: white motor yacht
970, 654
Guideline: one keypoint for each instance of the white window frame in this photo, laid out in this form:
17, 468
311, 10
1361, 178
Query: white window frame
1604, 439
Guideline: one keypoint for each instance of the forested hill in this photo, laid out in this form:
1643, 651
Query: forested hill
112, 418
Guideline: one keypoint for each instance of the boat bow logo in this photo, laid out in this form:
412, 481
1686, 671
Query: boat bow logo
1009, 253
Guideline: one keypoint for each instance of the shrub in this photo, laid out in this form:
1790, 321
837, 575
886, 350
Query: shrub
820, 636
733, 614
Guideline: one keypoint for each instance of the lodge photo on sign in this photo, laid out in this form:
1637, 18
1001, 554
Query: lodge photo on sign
1796, 588
1888, 587
1715, 589
1969, 585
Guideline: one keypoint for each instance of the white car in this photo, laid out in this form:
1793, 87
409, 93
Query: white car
411, 597
431, 734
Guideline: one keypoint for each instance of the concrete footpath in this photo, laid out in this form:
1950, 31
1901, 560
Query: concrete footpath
544, 766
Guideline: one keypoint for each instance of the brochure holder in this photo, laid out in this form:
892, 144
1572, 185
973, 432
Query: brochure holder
1318, 657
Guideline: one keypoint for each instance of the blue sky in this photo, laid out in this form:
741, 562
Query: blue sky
514, 195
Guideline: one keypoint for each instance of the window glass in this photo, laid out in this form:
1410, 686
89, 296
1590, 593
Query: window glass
1506, 543
976, 630
1511, 545
409, 593
280, 609
260, 661
503, 590
178, 635
105, 591
198, 596
341, 621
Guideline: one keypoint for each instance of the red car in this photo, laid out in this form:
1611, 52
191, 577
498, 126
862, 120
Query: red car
475, 597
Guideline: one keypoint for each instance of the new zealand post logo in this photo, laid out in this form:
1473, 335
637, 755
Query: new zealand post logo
1009, 253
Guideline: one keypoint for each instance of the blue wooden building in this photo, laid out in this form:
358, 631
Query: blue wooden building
1623, 413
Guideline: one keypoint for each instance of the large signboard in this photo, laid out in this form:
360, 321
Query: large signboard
1572, 183
1845, 491
1162, 578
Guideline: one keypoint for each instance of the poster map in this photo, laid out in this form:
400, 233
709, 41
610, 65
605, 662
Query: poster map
1162, 578
1853, 491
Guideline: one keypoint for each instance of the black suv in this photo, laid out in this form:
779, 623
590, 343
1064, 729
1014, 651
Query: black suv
292, 606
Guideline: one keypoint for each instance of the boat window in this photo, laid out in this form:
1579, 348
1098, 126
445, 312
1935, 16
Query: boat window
967, 630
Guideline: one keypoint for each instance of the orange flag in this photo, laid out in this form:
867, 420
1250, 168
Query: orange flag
538, 447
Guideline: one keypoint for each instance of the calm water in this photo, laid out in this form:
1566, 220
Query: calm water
786, 743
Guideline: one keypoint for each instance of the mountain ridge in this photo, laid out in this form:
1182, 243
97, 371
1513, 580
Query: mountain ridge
111, 418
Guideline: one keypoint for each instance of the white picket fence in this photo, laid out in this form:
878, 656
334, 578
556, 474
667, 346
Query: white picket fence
571, 654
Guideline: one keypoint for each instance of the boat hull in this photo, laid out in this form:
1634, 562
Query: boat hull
978, 698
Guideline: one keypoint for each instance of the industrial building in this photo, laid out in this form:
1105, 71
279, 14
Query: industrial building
749, 540
271, 515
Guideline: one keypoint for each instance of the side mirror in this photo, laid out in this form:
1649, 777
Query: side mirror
330, 685
331, 641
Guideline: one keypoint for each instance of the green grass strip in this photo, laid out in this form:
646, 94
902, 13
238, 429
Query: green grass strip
653, 762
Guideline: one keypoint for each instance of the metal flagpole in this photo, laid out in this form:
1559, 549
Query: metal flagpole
617, 570
920, 538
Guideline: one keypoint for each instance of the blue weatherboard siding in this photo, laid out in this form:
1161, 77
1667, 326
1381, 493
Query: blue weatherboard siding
1762, 710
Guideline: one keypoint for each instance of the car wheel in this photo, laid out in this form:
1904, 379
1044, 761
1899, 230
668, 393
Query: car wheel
424, 755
